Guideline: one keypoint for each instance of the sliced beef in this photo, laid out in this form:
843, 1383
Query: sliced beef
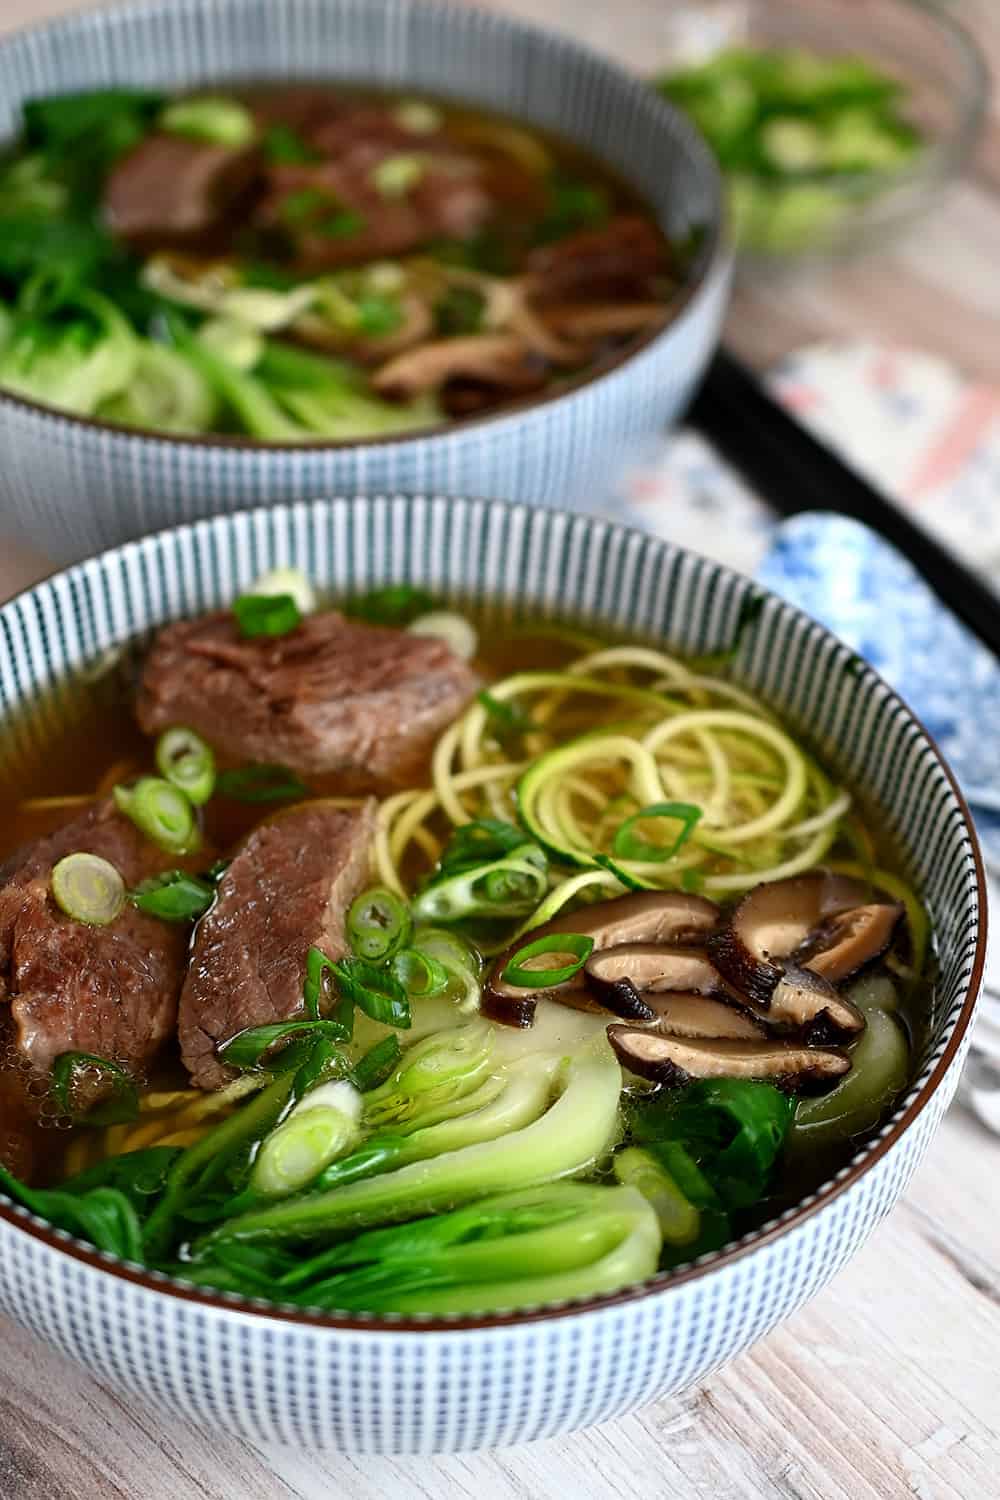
332, 213
170, 190
334, 696
286, 891
109, 990
620, 260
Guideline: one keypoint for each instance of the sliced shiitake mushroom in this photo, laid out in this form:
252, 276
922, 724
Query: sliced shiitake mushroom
852, 939
698, 1015
803, 1000
804, 914
654, 967
676, 1060
667, 917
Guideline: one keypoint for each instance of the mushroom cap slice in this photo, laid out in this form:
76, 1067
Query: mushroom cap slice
853, 938
698, 1015
653, 967
645, 917
775, 920
675, 1060
804, 1000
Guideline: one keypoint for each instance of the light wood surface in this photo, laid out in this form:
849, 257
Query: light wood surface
888, 1384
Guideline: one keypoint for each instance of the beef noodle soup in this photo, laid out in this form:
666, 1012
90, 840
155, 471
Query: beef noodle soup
355, 960
309, 263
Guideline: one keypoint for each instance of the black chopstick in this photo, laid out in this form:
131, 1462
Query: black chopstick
792, 472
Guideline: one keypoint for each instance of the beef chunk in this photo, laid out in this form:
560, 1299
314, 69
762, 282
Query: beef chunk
334, 696
619, 260
109, 990
173, 190
286, 891
332, 213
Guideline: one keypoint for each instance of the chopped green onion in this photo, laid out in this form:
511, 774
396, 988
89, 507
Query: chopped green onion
76, 1072
222, 122
378, 924
419, 973
458, 960
482, 842
506, 888
291, 581
628, 845
396, 175
255, 1046
261, 783
344, 222
454, 630
517, 971
266, 614
398, 604
505, 718
174, 896
378, 1063
283, 147
630, 882
323, 1125
88, 888
317, 968
161, 811
185, 760
373, 990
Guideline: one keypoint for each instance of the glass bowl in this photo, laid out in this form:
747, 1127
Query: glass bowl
944, 90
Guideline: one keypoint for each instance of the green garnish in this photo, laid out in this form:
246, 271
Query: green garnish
261, 782
398, 604
88, 888
378, 1063
419, 973
257, 1046
174, 896
161, 811
76, 1073
220, 121
284, 147
266, 614
378, 923
374, 990
186, 761
519, 973
628, 845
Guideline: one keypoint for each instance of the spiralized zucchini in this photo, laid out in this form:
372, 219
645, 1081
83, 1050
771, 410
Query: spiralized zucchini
575, 754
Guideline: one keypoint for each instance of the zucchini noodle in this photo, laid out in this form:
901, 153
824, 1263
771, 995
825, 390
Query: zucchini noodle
572, 754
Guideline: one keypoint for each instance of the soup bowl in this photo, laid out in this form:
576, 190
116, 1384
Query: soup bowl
71, 485
422, 1384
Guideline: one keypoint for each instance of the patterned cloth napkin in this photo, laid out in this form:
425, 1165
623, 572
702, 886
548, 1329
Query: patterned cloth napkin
923, 434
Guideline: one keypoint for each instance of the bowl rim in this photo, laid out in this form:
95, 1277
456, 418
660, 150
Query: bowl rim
661, 1282
713, 255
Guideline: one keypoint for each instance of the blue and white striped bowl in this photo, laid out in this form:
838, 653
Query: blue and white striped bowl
395, 1385
70, 486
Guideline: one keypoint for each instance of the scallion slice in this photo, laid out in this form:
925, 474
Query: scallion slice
378, 924
184, 759
518, 972
377, 1064
88, 888
76, 1074
174, 896
318, 967
627, 844
374, 990
161, 811
266, 614
255, 1046
419, 973
261, 783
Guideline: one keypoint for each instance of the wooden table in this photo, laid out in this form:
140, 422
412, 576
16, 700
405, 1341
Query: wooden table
888, 1384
